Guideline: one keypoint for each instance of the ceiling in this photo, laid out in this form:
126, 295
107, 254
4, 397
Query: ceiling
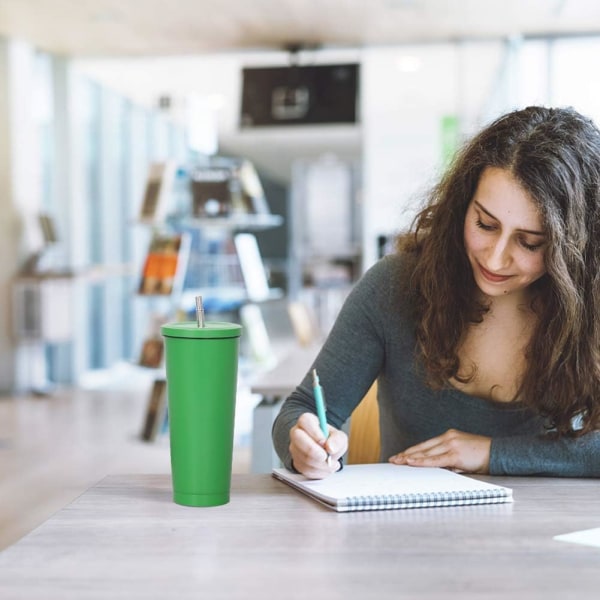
93, 28
188, 29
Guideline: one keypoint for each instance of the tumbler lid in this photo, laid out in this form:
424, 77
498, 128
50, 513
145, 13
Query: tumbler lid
212, 329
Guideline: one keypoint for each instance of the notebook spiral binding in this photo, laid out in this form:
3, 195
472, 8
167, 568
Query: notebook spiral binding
424, 500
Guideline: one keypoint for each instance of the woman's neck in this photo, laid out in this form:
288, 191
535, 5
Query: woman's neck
508, 305
492, 352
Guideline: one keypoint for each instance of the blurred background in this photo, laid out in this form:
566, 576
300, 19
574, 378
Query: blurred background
267, 150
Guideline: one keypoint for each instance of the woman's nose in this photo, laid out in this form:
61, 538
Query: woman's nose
499, 256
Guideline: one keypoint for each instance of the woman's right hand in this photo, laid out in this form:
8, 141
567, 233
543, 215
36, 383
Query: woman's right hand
313, 455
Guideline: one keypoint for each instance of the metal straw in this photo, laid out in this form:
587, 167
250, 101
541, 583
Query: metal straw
199, 312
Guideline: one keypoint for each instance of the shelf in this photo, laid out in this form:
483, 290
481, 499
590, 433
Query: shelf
242, 221
225, 295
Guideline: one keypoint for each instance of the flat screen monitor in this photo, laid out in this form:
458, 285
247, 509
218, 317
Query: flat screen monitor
299, 95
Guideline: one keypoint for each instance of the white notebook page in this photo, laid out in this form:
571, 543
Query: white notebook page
385, 479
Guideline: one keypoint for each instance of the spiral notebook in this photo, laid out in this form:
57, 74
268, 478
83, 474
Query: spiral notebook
387, 486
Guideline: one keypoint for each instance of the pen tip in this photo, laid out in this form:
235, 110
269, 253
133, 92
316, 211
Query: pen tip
315, 376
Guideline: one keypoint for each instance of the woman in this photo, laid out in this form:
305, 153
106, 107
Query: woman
483, 329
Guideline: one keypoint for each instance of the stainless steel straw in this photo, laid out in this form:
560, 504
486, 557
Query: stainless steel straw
199, 312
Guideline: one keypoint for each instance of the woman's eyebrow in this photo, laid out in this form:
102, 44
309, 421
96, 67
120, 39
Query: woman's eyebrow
489, 214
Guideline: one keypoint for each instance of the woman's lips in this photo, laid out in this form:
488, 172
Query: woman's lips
492, 277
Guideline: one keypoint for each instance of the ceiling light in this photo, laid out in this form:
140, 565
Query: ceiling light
408, 64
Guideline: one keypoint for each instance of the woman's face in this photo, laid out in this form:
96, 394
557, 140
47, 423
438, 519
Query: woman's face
504, 238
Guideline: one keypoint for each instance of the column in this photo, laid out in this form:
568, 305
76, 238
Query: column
19, 201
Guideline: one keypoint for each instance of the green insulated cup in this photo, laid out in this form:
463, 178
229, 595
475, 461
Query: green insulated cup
201, 364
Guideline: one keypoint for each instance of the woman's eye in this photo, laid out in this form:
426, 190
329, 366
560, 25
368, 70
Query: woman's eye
483, 225
530, 247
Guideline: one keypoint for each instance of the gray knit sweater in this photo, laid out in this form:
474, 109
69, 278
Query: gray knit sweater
373, 338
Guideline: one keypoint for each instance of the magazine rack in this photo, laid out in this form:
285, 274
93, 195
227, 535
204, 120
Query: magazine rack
207, 248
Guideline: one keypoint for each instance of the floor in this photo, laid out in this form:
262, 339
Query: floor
52, 448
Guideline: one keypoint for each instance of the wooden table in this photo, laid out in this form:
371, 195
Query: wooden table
125, 538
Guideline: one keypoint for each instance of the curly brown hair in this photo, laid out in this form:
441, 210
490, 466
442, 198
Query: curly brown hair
554, 154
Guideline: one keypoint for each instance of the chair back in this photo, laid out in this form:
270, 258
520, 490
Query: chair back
364, 445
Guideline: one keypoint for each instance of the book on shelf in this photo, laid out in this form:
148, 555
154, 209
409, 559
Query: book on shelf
152, 353
156, 413
228, 187
159, 185
253, 194
386, 486
165, 263
252, 267
211, 191
257, 335
48, 228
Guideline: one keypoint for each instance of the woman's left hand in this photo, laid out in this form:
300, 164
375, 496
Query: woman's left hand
454, 450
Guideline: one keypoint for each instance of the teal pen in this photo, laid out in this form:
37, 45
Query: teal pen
320, 404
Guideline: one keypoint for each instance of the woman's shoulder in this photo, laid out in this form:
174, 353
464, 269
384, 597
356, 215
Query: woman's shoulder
396, 268
390, 280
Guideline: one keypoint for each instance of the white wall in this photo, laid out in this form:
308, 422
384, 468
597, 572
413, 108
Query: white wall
571, 59
403, 110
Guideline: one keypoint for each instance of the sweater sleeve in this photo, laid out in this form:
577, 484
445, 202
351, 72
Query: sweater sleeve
546, 455
348, 362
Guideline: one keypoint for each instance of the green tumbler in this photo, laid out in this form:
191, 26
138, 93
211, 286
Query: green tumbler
201, 368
